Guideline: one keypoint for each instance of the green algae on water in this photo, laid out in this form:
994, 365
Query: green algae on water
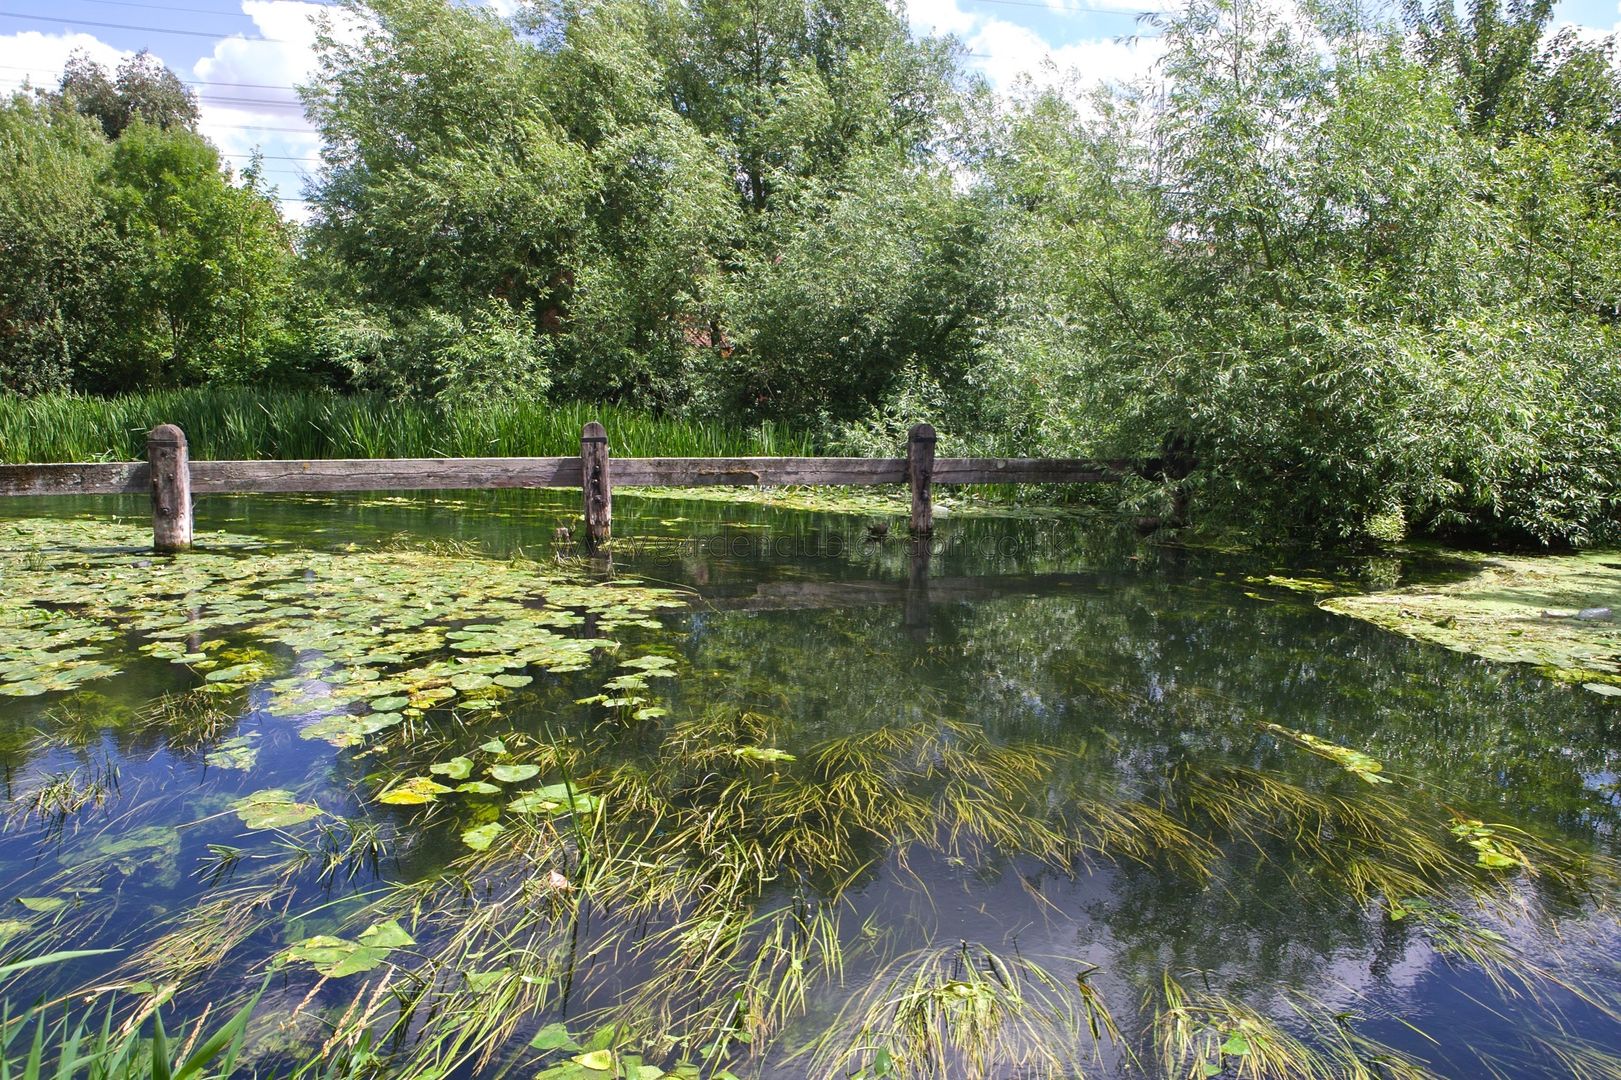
1561, 613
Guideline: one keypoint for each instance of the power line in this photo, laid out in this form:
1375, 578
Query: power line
1049, 7
188, 82
146, 29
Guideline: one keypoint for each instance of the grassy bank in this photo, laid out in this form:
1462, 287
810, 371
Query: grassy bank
248, 423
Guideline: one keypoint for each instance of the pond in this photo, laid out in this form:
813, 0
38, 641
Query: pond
759, 793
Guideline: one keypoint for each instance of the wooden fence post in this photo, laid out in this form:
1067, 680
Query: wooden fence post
171, 488
595, 486
920, 474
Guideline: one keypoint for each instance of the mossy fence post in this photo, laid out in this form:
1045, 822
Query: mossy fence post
595, 485
920, 474
170, 464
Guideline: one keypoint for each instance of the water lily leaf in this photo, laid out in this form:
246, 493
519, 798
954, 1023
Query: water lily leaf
511, 774
554, 799
42, 904
392, 703
413, 792
648, 663
513, 682
651, 712
1236, 1045
334, 957
377, 721
470, 680
479, 787
457, 768
273, 808
494, 746
234, 673
1603, 689
536, 803
553, 1036
600, 1060
479, 839
388, 934
239, 753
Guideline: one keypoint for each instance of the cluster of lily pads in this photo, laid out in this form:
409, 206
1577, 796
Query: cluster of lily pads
348, 644
373, 636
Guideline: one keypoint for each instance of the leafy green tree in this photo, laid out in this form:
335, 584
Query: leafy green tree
206, 272
57, 243
142, 87
1360, 316
619, 171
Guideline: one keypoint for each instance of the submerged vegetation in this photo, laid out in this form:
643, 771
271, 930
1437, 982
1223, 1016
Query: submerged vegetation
488, 814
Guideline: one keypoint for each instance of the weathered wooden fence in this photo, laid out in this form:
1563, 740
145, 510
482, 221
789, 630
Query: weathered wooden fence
173, 479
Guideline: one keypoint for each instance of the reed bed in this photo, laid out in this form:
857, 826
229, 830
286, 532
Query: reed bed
245, 423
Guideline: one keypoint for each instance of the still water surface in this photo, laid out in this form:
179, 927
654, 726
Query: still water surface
972, 808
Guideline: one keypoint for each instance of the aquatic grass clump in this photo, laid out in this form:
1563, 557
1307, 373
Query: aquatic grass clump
1201, 1032
60, 795
967, 1011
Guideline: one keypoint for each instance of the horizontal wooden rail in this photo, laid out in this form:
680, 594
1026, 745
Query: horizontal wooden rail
428, 474
166, 473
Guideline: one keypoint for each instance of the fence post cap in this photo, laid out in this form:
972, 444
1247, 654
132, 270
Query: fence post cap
166, 435
921, 433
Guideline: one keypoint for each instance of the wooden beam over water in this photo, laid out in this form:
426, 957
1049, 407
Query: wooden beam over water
171, 478
430, 474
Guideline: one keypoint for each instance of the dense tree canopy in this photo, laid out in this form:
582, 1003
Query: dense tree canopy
1362, 272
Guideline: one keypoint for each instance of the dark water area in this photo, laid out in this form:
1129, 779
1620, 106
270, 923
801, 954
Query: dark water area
968, 808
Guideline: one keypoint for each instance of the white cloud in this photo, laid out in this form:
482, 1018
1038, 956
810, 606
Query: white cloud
39, 58
940, 17
1003, 51
247, 97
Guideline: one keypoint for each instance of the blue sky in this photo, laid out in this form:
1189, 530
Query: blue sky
244, 56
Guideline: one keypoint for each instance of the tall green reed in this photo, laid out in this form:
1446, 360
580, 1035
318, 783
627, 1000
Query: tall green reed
241, 422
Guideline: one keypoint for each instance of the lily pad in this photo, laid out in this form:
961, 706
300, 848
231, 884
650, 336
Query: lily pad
480, 838
457, 768
413, 792
336, 957
273, 808
512, 774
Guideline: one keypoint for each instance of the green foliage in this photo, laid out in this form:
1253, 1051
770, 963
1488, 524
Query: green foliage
142, 89
134, 263
207, 266
650, 189
54, 232
1343, 278
1357, 315
229, 423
